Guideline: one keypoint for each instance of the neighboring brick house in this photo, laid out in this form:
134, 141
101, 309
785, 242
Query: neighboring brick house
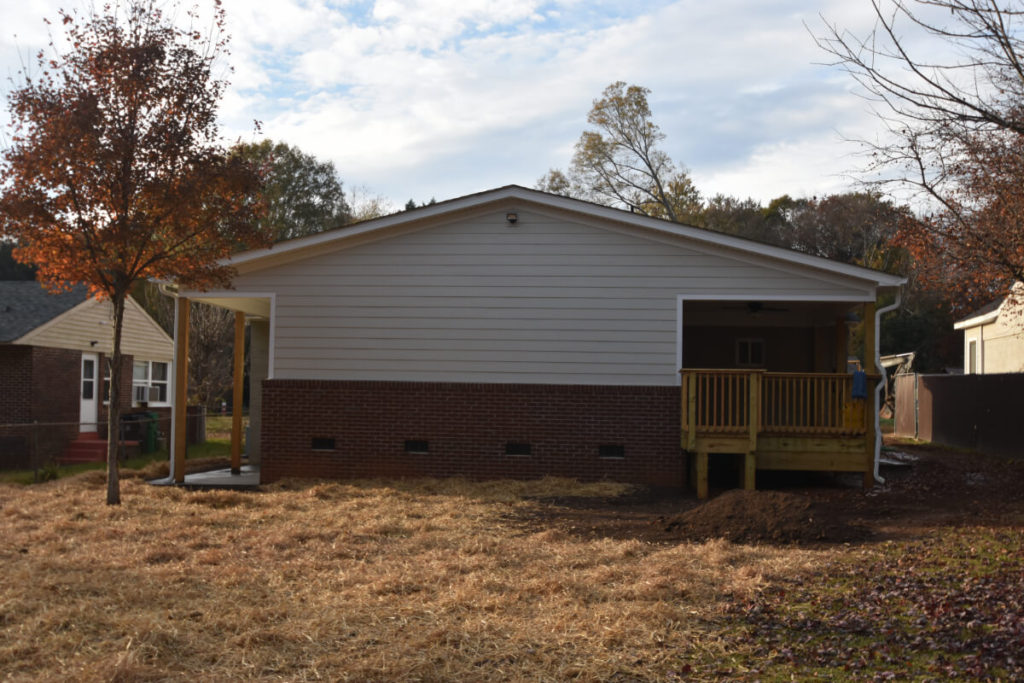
515, 333
53, 362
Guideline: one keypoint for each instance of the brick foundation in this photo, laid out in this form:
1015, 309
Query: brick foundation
468, 427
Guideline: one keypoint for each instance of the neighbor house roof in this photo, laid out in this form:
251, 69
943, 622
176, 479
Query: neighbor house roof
982, 316
25, 305
989, 312
511, 195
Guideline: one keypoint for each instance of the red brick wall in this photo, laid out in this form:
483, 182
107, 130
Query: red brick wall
56, 376
467, 427
15, 406
56, 390
15, 384
37, 385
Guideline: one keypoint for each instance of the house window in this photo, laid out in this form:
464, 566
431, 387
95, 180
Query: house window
972, 357
750, 353
148, 374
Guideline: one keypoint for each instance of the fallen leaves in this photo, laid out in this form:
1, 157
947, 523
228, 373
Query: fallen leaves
949, 605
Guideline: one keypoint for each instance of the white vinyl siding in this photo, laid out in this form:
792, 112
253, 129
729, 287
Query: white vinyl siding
549, 300
92, 321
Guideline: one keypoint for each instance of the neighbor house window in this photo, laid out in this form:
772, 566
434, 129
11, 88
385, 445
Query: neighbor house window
972, 357
147, 374
750, 353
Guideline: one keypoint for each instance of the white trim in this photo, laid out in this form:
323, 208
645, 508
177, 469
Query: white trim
89, 423
174, 403
977, 320
679, 339
758, 296
271, 297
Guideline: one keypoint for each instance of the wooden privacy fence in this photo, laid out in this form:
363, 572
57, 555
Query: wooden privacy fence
736, 402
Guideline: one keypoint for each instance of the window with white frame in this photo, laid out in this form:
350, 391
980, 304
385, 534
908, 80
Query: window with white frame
146, 375
150, 374
749, 353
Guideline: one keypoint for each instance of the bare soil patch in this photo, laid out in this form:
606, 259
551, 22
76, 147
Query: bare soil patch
930, 487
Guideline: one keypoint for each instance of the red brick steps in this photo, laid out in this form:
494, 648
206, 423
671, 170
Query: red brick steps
89, 447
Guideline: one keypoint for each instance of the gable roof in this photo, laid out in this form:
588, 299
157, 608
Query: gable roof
511, 196
989, 312
983, 315
26, 305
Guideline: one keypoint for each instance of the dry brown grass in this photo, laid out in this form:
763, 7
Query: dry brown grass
425, 580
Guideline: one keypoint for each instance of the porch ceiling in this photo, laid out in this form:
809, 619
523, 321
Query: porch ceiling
252, 306
755, 313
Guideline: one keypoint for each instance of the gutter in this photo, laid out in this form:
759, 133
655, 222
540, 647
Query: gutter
878, 388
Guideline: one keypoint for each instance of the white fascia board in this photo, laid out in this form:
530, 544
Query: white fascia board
977, 320
248, 261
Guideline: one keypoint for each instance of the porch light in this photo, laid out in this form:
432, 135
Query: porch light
511, 217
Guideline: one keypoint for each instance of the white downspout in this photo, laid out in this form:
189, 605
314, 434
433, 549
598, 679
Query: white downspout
172, 292
878, 389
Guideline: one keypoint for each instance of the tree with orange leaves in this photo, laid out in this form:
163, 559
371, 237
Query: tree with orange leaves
115, 172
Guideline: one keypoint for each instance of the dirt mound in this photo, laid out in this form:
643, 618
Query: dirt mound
771, 516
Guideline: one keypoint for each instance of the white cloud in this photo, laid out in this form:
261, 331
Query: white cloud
433, 97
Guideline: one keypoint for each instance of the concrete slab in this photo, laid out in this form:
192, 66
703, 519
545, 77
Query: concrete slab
249, 478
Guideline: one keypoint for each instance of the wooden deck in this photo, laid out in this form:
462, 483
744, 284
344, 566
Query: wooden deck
776, 421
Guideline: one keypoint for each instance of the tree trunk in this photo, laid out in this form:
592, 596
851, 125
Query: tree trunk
114, 411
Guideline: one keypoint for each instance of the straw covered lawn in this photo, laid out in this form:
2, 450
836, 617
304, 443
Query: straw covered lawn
426, 580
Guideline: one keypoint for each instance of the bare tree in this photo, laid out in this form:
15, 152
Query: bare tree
619, 163
949, 123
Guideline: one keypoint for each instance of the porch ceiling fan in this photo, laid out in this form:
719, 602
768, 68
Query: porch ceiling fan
755, 307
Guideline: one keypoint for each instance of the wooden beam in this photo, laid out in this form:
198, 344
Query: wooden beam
754, 409
691, 412
749, 471
702, 475
237, 375
180, 390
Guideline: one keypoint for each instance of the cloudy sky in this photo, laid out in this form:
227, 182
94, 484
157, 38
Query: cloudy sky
441, 98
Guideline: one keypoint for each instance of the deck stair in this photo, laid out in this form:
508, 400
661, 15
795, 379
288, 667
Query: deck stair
90, 447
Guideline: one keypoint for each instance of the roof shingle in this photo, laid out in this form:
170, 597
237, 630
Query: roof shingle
25, 305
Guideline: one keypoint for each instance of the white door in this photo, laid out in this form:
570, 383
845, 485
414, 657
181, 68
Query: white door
90, 392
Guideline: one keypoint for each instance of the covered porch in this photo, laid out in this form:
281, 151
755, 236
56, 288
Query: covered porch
774, 384
250, 311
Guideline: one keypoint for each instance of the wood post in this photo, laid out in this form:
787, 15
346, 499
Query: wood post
749, 471
691, 413
754, 408
237, 375
702, 475
179, 435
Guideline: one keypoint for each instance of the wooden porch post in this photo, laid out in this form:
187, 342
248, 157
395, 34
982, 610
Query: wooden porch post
180, 389
754, 426
236, 398
870, 409
702, 475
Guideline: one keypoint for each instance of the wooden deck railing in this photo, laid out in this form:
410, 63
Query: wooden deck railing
738, 402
